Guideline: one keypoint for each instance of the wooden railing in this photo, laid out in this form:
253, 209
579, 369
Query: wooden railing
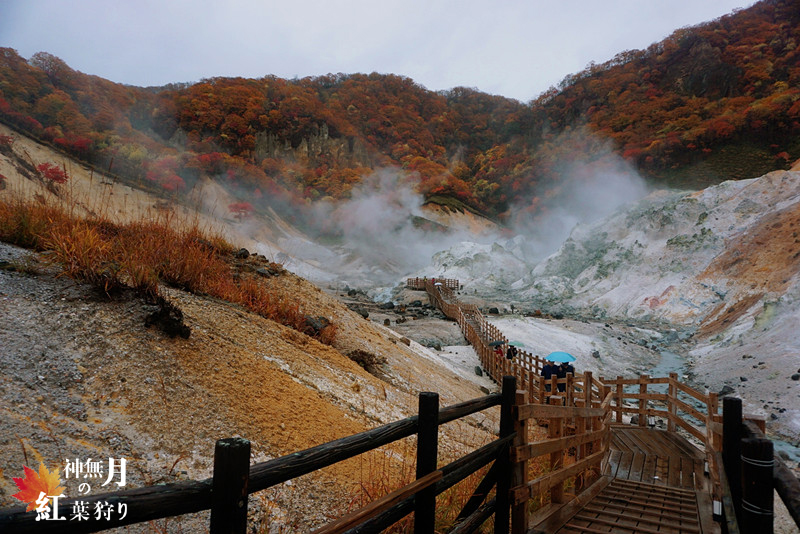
484, 337
420, 283
679, 407
225, 494
579, 433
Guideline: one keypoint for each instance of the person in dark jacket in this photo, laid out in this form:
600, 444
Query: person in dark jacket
548, 369
562, 371
511, 352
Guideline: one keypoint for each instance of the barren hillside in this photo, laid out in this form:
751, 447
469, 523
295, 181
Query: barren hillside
82, 376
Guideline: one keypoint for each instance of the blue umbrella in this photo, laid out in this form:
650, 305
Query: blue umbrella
560, 357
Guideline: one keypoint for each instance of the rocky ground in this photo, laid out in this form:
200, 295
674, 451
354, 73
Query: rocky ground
82, 376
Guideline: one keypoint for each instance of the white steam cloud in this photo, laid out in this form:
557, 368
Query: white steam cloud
590, 187
383, 229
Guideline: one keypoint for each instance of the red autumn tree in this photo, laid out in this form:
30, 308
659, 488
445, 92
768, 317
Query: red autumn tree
54, 173
241, 209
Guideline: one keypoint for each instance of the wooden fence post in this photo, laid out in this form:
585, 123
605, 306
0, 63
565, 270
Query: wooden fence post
503, 497
519, 475
620, 393
229, 486
757, 486
556, 430
672, 408
642, 399
427, 456
713, 408
584, 425
732, 448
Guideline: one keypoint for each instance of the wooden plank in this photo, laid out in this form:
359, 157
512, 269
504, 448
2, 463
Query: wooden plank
644, 439
613, 463
687, 473
627, 441
700, 478
376, 507
635, 381
532, 450
705, 512
691, 410
637, 467
649, 469
638, 496
647, 396
661, 470
683, 445
608, 498
731, 525
657, 491
649, 411
617, 526
634, 508
545, 482
546, 411
692, 392
674, 477
579, 528
564, 513
691, 429
682, 523
624, 469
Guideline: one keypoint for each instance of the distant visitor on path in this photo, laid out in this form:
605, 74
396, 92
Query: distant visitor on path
562, 371
511, 352
548, 370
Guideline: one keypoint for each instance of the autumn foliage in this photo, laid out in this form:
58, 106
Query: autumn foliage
52, 173
712, 102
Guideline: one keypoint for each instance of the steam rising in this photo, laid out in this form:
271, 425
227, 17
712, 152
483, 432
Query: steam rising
592, 189
381, 229
382, 234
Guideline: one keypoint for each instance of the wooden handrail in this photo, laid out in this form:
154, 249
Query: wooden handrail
545, 482
532, 450
156, 502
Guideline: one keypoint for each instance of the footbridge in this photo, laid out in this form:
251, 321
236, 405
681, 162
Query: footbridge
630, 455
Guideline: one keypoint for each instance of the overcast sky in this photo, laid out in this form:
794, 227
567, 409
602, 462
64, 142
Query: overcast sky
514, 48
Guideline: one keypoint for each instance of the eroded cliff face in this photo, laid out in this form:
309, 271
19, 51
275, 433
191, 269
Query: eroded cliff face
343, 151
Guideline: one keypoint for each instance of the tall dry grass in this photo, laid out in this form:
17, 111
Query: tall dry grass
142, 255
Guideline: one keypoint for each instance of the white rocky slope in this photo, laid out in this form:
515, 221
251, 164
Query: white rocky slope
721, 266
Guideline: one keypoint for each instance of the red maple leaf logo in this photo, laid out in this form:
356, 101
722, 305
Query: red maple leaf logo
34, 484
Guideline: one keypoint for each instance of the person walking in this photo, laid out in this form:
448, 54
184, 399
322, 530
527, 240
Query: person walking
547, 372
563, 370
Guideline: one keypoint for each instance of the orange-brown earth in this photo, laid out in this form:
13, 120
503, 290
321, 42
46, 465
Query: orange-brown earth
761, 261
83, 377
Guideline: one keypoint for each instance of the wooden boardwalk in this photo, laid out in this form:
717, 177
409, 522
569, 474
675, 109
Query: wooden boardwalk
653, 481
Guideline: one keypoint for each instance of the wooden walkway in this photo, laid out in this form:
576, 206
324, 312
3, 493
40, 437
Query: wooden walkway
653, 481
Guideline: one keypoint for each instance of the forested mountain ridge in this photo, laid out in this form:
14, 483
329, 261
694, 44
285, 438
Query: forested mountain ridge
716, 101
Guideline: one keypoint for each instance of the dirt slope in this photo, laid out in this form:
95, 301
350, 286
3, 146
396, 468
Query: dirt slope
81, 376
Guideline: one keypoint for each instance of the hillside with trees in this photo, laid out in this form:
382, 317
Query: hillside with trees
712, 102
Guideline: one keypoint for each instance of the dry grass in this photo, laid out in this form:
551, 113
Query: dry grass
381, 474
142, 255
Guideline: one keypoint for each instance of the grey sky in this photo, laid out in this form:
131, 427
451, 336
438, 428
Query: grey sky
513, 48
